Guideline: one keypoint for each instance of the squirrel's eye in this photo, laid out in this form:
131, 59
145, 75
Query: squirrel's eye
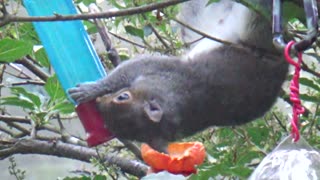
123, 97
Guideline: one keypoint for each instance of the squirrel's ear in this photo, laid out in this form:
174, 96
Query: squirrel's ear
153, 110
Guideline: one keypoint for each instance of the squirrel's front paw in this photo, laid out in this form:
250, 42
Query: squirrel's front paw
82, 92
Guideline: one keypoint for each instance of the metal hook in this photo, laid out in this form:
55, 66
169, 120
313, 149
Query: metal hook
311, 11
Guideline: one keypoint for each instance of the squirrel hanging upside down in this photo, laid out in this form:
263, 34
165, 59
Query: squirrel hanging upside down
157, 99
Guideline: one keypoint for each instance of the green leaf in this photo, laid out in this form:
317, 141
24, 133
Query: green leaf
225, 133
124, 56
11, 50
16, 101
212, 1
22, 93
41, 116
90, 27
292, 10
100, 177
309, 83
309, 98
240, 171
116, 4
257, 134
54, 89
208, 172
247, 157
64, 107
118, 21
42, 58
88, 2
77, 178
28, 34
134, 31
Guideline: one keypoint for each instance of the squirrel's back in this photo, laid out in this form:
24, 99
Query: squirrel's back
232, 86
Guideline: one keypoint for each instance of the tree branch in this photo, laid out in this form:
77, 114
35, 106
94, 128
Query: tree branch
60, 149
34, 69
8, 18
113, 54
18, 119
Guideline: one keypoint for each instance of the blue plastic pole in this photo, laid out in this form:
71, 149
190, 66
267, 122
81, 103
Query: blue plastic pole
73, 58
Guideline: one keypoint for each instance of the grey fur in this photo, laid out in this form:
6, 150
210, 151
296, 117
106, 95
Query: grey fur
224, 86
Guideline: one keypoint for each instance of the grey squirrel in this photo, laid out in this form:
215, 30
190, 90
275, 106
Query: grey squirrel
157, 99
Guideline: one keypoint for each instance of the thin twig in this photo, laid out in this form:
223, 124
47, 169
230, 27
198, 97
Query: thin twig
24, 120
19, 70
2, 70
20, 135
8, 18
306, 68
62, 129
33, 133
202, 33
28, 82
279, 122
155, 31
3, 8
127, 40
248, 140
113, 54
18, 127
2, 129
65, 136
242, 45
33, 68
101, 160
195, 41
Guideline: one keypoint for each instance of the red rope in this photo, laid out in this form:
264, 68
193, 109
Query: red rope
297, 109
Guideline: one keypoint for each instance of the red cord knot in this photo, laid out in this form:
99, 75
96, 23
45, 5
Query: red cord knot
297, 108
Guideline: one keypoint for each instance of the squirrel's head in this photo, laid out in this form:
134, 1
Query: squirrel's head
135, 113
